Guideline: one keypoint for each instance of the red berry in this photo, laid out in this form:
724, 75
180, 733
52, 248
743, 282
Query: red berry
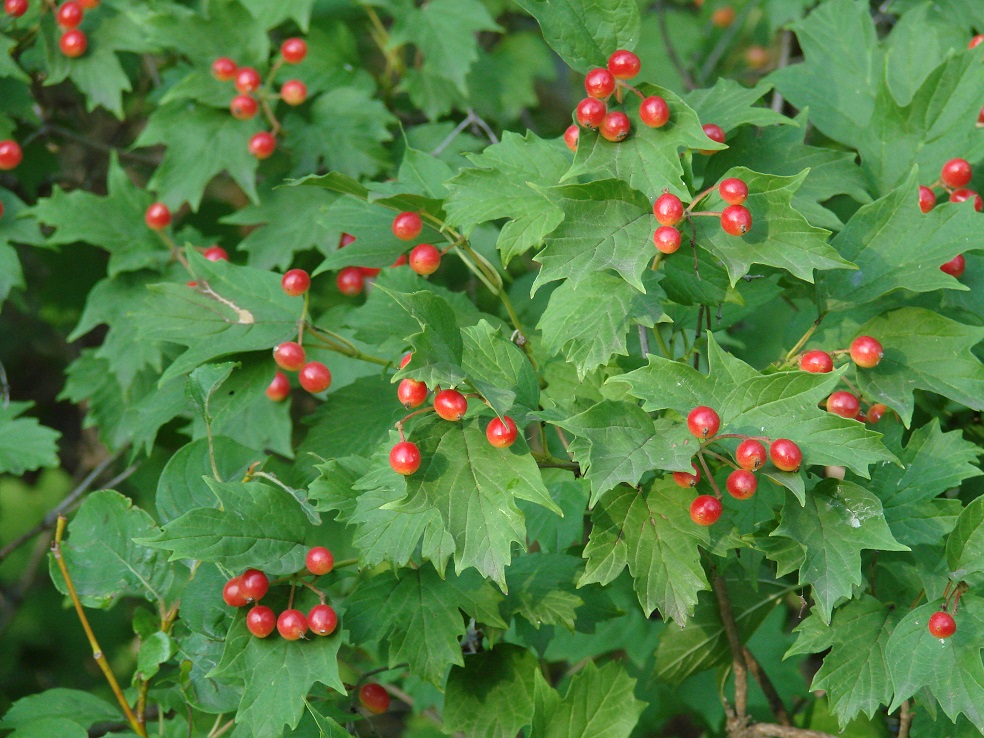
450, 404
350, 281
293, 50
296, 282
279, 387
247, 80
705, 510
942, 624
654, 111
89, 4
407, 226
502, 432
262, 144
10, 155
927, 199
844, 404
233, 593
736, 220
292, 624
866, 351
406, 359
703, 422
69, 15
750, 454
322, 620
224, 69
216, 253
733, 191
425, 259
875, 412
615, 126
345, 240
667, 239
73, 43
668, 209
255, 584
976, 41
723, 17
261, 621
686, 479
369, 272
599, 83
785, 454
319, 560
289, 356
374, 698
400, 260
964, 194
405, 458
571, 136
411, 393
157, 216
956, 173
757, 57
955, 267
243, 107
741, 484
980, 117
715, 133
817, 362
293, 92
314, 377
624, 64
590, 112
15, 8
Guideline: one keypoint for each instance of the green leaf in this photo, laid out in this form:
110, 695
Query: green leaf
553, 533
17, 226
585, 32
203, 382
438, 347
271, 16
25, 444
914, 339
651, 533
45, 726
730, 105
70, 704
504, 82
965, 545
838, 520
221, 28
154, 651
498, 369
599, 703
491, 694
542, 589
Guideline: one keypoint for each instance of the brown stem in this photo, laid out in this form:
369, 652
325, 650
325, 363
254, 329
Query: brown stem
905, 719
740, 667
707, 471
785, 731
775, 701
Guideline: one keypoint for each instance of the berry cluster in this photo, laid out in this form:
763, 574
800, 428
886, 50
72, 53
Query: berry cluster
254, 95
704, 423
158, 217
941, 623
73, 41
352, 280
424, 258
866, 352
736, 220
954, 178
252, 585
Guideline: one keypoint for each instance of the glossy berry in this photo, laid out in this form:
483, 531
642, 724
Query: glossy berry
942, 625
741, 484
599, 83
407, 226
260, 621
866, 351
667, 239
785, 454
289, 356
322, 620
963, 195
844, 404
157, 216
502, 432
262, 144
736, 220
624, 64
15, 8
615, 126
817, 362
705, 510
345, 239
411, 393
654, 111
216, 253
293, 92
927, 199
703, 422
425, 259
279, 387
956, 173
590, 112
405, 458
293, 50
296, 282
69, 15
750, 454
955, 267
733, 190
571, 135
757, 57
224, 69
668, 209
319, 560
233, 594
406, 359
374, 698
875, 412
292, 624
255, 584
713, 132
247, 79
450, 404
73, 43
686, 479
243, 107
370, 271
314, 377
350, 281
723, 17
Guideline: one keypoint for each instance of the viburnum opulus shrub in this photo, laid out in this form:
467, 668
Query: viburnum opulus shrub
491, 368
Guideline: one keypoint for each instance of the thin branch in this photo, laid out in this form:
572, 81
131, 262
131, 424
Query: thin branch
768, 730
785, 49
905, 718
485, 127
740, 667
458, 129
643, 341
775, 701
685, 76
4, 388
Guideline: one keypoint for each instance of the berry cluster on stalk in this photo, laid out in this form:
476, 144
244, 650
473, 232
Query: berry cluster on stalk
955, 175
670, 212
866, 352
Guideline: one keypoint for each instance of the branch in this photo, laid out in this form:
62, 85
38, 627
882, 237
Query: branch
785, 48
905, 718
734, 641
685, 76
775, 701
785, 731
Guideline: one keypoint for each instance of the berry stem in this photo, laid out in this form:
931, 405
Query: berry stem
333, 342
790, 357
548, 461
303, 319
320, 593
707, 471
707, 213
698, 198
625, 86
275, 127
657, 260
723, 459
